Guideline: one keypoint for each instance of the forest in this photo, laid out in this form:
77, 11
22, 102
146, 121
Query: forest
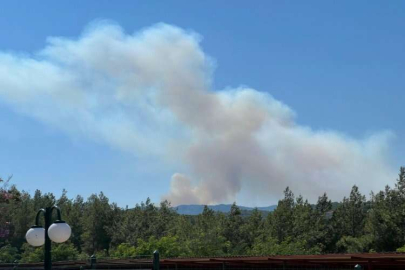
375, 223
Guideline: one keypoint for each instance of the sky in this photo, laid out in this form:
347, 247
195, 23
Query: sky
211, 103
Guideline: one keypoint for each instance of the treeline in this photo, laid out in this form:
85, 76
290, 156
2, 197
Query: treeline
295, 227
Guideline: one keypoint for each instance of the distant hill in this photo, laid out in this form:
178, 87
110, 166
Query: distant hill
195, 209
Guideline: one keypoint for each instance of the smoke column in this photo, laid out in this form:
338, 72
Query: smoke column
150, 93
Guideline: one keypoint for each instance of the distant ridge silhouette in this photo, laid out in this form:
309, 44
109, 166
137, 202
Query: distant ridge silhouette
195, 209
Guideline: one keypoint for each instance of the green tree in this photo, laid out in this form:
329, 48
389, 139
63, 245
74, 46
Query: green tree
295, 227
385, 220
141, 222
252, 228
302, 219
233, 233
281, 220
98, 216
22, 218
206, 235
320, 235
386, 217
349, 244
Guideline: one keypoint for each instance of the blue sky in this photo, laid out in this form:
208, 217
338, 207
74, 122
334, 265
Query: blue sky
338, 64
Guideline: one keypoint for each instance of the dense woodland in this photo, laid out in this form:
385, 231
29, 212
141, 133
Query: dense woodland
355, 224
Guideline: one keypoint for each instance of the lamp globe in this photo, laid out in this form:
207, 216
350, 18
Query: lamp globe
59, 232
35, 236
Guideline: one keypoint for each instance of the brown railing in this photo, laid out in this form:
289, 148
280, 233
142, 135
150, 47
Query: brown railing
370, 261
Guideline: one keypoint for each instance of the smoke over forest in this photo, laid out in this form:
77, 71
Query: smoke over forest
150, 94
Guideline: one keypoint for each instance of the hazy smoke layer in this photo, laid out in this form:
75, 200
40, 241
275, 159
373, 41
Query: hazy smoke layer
150, 94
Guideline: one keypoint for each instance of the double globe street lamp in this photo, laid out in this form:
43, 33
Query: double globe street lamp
58, 232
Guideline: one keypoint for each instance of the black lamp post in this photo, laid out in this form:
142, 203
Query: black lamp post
58, 232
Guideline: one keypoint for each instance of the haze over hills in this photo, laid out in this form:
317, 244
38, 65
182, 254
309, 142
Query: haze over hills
195, 209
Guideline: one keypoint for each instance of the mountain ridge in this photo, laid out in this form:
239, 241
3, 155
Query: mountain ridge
196, 209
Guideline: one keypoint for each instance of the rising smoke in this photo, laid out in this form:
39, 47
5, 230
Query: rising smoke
150, 94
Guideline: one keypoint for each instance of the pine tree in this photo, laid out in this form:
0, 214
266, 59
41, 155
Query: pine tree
281, 220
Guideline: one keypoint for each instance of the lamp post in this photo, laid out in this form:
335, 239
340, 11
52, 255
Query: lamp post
58, 232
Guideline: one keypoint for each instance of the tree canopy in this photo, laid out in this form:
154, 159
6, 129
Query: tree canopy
295, 227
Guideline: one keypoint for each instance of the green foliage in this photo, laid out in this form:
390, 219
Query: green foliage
350, 244
351, 214
64, 252
8, 254
320, 232
386, 220
168, 247
98, 217
124, 250
32, 254
401, 249
287, 247
60, 252
281, 220
295, 227
233, 232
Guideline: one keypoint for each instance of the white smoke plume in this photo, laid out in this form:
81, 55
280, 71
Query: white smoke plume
150, 93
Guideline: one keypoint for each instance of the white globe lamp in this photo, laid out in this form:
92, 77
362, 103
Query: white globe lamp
35, 236
59, 232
